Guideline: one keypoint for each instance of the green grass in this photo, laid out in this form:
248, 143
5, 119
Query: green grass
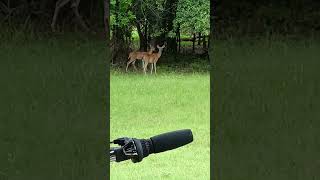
266, 109
52, 119
144, 106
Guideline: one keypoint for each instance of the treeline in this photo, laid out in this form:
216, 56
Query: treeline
151, 19
231, 17
157, 22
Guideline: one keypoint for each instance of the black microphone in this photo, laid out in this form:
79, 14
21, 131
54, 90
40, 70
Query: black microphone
137, 149
171, 140
160, 143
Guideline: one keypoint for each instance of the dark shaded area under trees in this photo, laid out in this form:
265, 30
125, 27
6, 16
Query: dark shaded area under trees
37, 15
254, 18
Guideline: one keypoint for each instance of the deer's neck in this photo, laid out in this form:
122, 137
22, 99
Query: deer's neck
159, 53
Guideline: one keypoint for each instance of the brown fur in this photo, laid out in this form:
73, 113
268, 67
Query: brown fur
133, 56
153, 59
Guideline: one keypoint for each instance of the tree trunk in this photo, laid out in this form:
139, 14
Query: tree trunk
167, 24
204, 45
142, 38
145, 43
179, 38
172, 45
148, 36
199, 39
179, 42
75, 8
193, 42
106, 19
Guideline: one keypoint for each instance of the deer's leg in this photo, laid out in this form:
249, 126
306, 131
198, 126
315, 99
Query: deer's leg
142, 64
155, 68
133, 63
59, 5
145, 67
75, 7
128, 63
151, 68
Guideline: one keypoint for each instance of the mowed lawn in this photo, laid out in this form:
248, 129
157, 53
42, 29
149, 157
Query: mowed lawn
144, 106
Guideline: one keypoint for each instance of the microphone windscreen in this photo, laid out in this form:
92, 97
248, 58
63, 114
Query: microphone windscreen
171, 140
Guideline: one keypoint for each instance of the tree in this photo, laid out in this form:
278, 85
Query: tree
193, 16
106, 5
148, 20
168, 15
120, 19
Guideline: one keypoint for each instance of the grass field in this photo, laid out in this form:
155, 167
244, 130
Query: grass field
52, 118
144, 106
266, 109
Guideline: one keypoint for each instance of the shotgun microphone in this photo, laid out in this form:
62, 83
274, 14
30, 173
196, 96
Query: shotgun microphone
171, 140
137, 149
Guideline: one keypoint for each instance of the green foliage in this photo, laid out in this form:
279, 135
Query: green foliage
193, 16
125, 15
150, 12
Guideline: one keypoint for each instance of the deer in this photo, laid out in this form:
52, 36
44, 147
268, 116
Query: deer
152, 59
133, 56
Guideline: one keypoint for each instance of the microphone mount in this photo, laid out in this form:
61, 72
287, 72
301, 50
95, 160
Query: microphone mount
130, 148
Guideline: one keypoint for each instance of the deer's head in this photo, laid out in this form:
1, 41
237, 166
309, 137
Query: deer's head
161, 47
152, 48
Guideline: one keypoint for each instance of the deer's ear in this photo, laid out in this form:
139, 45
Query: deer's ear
158, 46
